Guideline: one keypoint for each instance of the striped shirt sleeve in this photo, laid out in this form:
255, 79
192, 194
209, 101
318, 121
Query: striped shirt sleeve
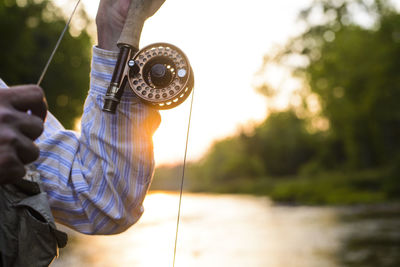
96, 180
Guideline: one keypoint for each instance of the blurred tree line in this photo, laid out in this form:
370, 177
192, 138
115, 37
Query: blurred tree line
352, 67
29, 30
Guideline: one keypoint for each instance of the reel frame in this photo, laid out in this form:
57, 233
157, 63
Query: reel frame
136, 68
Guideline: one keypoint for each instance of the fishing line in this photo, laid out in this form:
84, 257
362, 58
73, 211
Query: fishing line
57, 45
182, 179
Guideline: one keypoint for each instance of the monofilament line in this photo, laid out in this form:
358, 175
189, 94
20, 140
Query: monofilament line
183, 177
57, 45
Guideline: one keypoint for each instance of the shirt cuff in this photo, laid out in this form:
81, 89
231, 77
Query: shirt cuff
103, 64
3, 85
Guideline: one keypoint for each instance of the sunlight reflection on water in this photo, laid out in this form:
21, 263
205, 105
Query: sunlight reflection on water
216, 230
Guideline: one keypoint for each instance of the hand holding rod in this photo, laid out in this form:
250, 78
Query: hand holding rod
139, 12
128, 43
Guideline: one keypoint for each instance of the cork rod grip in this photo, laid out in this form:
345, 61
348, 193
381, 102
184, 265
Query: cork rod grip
139, 11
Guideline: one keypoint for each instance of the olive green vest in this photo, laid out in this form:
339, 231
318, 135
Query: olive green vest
28, 234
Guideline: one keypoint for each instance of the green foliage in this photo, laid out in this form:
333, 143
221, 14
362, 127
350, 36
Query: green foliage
277, 147
354, 72
229, 158
29, 31
282, 144
331, 188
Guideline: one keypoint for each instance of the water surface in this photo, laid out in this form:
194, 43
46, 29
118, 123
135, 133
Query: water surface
240, 230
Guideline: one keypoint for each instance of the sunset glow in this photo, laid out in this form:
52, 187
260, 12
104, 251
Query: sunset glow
225, 42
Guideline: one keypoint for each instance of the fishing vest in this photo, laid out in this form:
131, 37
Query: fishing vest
28, 234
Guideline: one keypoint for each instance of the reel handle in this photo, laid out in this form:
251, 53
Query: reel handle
139, 11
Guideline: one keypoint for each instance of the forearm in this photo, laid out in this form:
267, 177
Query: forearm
96, 182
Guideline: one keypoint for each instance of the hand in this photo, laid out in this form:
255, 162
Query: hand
18, 129
110, 20
111, 17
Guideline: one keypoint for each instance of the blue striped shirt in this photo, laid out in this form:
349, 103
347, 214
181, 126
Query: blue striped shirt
96, 180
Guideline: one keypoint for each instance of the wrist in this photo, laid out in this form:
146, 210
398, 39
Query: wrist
108, 31
107, 38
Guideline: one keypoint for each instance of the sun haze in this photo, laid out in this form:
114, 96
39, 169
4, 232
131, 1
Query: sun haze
225, 42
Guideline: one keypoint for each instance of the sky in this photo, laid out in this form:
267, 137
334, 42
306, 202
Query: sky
225, 42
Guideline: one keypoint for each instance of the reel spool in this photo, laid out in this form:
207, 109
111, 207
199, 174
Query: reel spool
161, 76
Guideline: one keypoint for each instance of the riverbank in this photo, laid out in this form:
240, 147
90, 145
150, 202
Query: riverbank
329, 188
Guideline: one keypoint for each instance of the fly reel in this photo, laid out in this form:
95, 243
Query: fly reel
160, 75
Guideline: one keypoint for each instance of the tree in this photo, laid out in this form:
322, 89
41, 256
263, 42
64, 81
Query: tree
352, 66
282, 144
29, 31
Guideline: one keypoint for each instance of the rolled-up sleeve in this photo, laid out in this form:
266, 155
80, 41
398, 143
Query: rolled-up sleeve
96, 180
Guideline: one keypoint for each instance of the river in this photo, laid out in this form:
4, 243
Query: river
244, 231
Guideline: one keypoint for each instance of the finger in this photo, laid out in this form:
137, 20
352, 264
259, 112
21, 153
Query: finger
123, 7
11, 168
28, 97
13, 142
27, 151
30, 126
